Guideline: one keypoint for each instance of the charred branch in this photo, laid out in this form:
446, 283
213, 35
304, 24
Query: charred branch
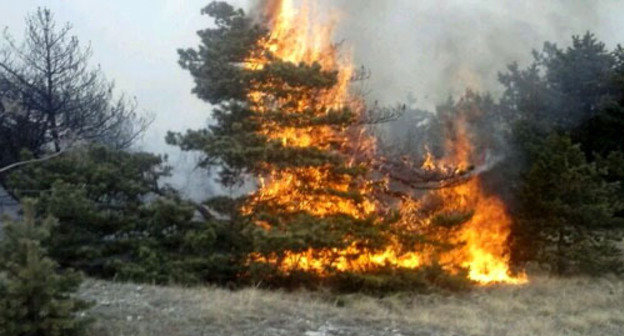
379, 115
404, 172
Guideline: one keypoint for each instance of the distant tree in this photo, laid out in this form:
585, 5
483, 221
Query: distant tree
566, 212
561, 88
35, 297
51, 98
601, 135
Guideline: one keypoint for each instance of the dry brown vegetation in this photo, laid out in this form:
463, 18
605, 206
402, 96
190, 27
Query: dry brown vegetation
547, 306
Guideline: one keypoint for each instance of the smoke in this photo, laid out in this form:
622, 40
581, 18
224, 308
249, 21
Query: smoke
432, 49
421, 52
264, 9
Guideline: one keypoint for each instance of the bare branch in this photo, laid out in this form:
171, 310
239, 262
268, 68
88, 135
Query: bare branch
49, 77
380, 115
23, 163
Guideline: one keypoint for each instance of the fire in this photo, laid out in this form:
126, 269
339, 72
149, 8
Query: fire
483, 237
300, 35
296, 38
483, 249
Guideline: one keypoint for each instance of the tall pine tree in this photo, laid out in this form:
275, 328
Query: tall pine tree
281, 123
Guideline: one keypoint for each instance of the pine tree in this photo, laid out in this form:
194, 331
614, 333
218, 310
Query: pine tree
326, 207
50, 97
35, 297
566, 210
562, 87
577, 90
116, 219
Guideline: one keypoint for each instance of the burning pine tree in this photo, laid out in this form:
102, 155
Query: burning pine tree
285, 116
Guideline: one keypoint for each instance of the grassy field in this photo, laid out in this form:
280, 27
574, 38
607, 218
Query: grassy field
546, 306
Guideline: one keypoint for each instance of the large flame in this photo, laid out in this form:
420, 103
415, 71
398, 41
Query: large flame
483, 238
299, 34
296, 38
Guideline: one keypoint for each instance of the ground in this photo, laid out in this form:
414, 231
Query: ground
546, 306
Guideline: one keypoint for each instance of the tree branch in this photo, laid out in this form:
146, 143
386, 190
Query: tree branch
22, 163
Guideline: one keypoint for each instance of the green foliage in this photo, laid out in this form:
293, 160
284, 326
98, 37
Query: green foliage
215, 64
569, 190
562, 88
35, 297
94, 192
115, 220
566, 207
613, 165
179, 250
235, 145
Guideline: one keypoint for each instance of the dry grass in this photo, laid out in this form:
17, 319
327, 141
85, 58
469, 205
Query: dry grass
547, 306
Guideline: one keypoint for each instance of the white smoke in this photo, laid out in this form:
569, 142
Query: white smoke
432, 49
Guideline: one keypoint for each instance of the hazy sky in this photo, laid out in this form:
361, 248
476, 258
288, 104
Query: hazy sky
433, 48
430, 48
135, 42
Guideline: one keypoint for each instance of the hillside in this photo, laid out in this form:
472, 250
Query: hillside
547, 306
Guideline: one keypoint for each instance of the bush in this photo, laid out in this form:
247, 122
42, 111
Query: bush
35, 297
115, 220
176, 249
566, 218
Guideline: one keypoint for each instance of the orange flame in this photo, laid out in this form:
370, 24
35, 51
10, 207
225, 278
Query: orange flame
295, 37
484, 236
299, 34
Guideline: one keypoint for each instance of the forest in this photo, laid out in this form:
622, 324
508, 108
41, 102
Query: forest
347, 197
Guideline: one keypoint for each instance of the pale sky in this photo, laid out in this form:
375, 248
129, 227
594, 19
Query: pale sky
135, 42
426, 47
